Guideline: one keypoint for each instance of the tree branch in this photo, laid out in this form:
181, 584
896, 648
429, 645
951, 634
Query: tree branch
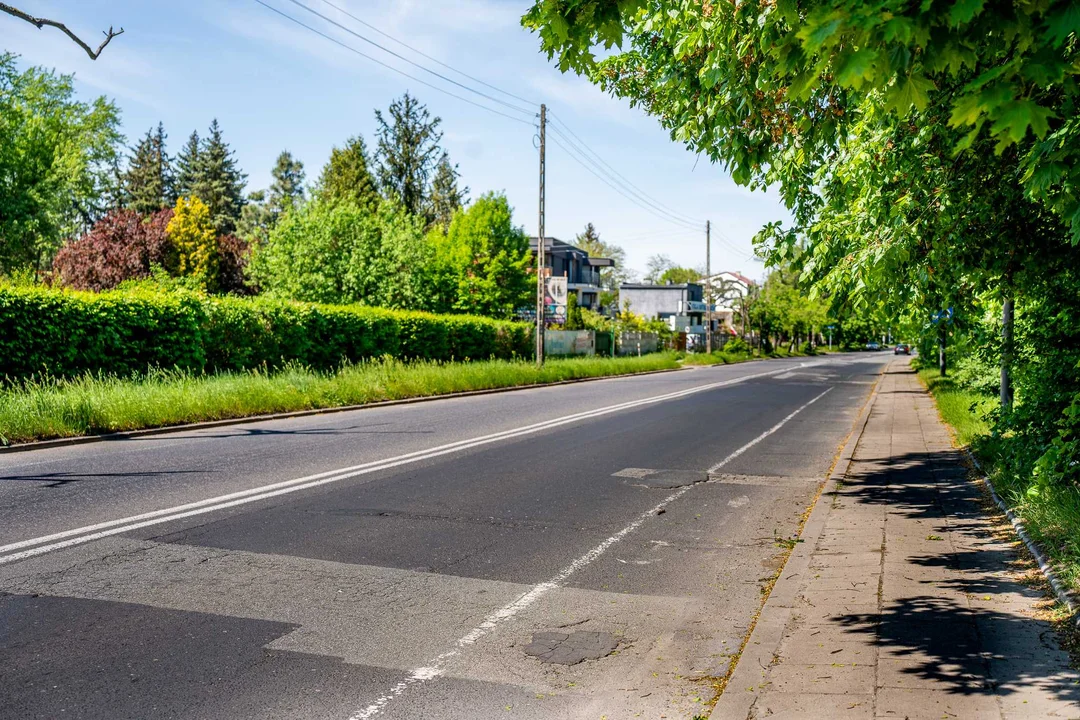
42, 22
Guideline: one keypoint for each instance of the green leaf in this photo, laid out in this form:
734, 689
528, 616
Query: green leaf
817, 31
1063, 23
910, 91
1016, 117
966, 111
857, 68
964, 11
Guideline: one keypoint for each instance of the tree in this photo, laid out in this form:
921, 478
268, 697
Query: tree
40, 22
346, 177
218, 182
148, 181
481, 265
56, 155
342, 253
678, 275
191, 231
287, 188
445, 198
610, 277
407, 152
188, 164
121, 246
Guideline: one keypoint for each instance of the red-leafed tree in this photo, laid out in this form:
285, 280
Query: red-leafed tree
121, 246
233, 254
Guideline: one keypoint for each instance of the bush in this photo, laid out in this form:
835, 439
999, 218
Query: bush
807, 349
65, 333
736, 346
121, 246
62, 333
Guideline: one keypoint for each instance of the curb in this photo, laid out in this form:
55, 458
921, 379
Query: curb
1063, 593
185, 427
768, 631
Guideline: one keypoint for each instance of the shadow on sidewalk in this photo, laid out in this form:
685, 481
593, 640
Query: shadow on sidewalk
937, 639
940, 636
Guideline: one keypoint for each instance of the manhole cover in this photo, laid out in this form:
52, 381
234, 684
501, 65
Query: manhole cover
570, 648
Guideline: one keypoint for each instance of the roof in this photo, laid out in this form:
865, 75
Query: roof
553, 243
650, 286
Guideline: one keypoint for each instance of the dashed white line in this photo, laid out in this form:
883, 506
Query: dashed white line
437, 667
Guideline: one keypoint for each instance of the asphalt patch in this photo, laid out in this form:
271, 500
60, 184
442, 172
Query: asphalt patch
571, 648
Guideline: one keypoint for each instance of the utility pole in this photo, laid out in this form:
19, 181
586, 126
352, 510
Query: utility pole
540, 262
708, 289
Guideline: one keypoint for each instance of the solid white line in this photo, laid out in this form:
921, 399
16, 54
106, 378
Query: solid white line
89, 533
437, 667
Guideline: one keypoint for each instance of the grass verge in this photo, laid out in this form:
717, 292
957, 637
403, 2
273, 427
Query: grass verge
100, 404
1050, 512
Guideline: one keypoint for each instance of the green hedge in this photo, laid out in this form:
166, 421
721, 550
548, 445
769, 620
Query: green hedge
64, 333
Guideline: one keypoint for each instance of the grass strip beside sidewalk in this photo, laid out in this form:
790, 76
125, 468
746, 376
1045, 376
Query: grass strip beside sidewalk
93, 405
1050, 512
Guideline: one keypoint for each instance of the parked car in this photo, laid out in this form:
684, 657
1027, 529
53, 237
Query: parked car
902, 348
872, 346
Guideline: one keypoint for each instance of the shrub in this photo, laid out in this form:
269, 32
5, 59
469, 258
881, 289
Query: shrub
64, 333
122, 246
47, 332
736, 346
191, 230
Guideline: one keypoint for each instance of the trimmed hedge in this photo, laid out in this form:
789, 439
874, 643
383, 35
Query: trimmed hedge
61, 333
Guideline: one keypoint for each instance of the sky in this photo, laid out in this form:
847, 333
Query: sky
274, 85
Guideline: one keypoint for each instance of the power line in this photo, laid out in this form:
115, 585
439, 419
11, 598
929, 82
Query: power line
629, 192
425, 55
588, 150
613, 186
399, 56
350, 48
642, 203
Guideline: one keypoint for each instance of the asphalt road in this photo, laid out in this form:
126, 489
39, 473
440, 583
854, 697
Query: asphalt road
417, 561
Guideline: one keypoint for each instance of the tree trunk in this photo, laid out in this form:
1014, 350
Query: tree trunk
943, 334
1006, 353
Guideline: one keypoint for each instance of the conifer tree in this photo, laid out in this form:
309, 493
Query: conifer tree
219, 182
187, 165
445, 197
287, 189
408, 150
148, 181
347, 176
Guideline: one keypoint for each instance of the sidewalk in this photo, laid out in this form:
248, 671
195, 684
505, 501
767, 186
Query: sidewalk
902, 602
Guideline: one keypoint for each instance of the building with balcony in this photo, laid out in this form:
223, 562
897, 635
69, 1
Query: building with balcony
582, 272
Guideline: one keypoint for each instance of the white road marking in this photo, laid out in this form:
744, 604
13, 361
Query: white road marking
437, 667
765, 434
89, 533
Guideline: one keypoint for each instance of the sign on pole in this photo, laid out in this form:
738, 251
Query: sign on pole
555, 295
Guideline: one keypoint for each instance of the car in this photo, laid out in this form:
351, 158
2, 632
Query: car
872, 346
902, 348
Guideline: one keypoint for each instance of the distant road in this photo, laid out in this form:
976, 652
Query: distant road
425, 560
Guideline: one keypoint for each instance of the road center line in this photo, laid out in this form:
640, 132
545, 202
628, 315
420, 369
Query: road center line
437, 667
68, 538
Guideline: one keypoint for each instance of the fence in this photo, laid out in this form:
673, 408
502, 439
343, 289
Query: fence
569, 342
637, 343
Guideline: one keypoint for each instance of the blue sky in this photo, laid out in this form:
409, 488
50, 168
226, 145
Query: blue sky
274, 85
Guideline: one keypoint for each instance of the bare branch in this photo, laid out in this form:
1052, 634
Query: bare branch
42, 22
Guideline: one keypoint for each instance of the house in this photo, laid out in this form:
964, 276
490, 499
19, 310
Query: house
582, 272
728, 288
681, 305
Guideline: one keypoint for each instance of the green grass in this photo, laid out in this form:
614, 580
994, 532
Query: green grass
92, 405
1050, 511
961, 408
